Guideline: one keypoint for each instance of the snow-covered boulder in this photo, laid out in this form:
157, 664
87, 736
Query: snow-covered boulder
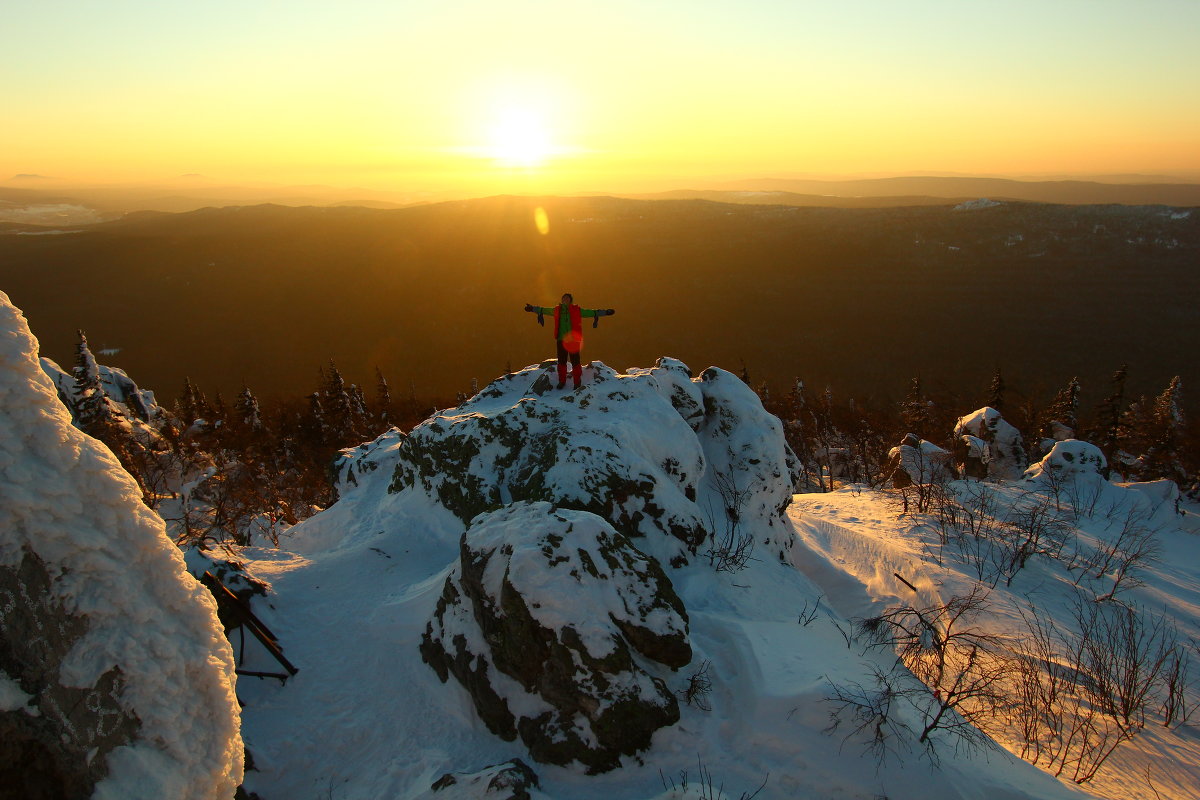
540, 620
1068, 459
511, 780
971, 456
916, 461
1006, 458
656, 453
116, 680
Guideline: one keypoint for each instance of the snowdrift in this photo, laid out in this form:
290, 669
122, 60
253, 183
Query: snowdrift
116, 680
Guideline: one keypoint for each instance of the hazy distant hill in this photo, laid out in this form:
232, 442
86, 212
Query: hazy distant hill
861, 298
1073, 192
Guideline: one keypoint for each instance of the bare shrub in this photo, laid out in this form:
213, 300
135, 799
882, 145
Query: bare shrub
871, 714
955, 677
963, 666
699, 687
732, 544
1123, 557
1081, 695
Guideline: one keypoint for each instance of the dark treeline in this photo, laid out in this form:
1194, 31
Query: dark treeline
243, 471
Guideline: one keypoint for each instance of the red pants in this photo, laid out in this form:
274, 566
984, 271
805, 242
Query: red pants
576, 370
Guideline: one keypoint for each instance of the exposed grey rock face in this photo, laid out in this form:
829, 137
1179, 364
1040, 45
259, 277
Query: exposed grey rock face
57, 744
555, 623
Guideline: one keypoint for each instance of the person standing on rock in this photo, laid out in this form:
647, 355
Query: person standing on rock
568, 332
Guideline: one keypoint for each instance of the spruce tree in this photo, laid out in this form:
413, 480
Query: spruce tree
996, 392
93, 411
247, 410
1063, 409
914, 411
1110, 416
185, 405
1166, 434
339, 416
360, 417
383, 399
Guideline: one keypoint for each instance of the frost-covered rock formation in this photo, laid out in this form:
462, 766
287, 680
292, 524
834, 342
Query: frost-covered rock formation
1005, 456
116, 679
540, 621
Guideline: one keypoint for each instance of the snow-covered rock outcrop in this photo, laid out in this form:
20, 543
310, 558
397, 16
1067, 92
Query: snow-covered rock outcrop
559, 616
116, 679
1068, 460
916, 461
540, 621
661, 456
1005, 456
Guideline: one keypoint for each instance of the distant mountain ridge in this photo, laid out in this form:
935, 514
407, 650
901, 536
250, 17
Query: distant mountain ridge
188, 195
929, 190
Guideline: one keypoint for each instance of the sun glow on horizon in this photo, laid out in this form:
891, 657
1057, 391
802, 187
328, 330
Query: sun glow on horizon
538, 97
519, 137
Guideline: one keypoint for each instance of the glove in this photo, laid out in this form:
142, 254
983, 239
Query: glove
528, 307
608, 312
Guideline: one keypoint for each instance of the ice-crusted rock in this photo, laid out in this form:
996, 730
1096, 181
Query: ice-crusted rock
916, 461
540, 621
649, 450
116, 677
1068, 459
1005, 457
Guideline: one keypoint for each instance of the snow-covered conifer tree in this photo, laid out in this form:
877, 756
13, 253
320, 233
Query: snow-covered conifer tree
383, 398
247, 410
94, 413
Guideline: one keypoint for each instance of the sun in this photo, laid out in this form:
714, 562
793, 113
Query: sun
520, 137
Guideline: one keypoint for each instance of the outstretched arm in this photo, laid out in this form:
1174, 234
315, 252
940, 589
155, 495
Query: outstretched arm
540, 311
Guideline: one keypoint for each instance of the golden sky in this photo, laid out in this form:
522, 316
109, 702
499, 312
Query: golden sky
617, 95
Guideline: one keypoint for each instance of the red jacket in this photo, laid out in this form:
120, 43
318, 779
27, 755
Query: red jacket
572, 339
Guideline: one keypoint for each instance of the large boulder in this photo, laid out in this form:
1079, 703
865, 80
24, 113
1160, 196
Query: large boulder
917, 462
1068, 460
652, 451
1005, 456
540, 621
116, 679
